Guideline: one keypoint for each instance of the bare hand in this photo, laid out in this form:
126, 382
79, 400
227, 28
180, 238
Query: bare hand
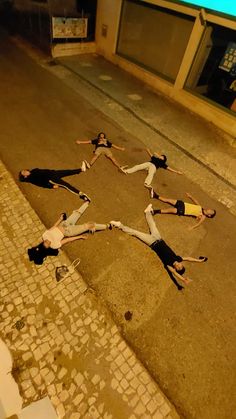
83, 237
55, 187
179, 173
122, 148
188, 194
77, 142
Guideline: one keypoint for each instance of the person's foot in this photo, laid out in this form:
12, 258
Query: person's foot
115, 224
153, 194
149, 209
84, 197
64, 216
148, 186
109, 226
83, 166
121, 169
87, 164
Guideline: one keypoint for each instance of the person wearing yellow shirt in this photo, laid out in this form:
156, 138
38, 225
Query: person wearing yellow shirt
179, 207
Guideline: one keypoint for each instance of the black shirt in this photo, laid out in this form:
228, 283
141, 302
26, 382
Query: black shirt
106, 144
40, 177
165, 253
158, 162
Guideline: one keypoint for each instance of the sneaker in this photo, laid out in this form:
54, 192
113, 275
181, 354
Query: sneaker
152, 193
84, 197
121, 169
87, 164
115, 224
147, 186
83, 166
149, 209
109, 226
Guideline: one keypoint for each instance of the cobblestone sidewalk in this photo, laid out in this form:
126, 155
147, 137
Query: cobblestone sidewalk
63, 342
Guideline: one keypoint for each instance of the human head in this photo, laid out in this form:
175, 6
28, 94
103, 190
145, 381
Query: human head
37, 254
209, 213
163, 156
23, 174
179, 267
102, 135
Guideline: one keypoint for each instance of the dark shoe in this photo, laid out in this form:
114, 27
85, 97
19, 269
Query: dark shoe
84, 197
64, 216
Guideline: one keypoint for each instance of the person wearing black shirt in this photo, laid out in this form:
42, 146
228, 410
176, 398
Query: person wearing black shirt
52, 179
172, 262
157, 161
103, 146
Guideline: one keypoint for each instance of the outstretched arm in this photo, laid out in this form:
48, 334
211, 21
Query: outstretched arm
118, 148
174, 171
198, 260
83, 142
72, 239
192, 198
202, 218
58, 221
149, 152
177, 275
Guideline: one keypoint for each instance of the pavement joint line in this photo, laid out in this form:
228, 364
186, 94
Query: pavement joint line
164, 136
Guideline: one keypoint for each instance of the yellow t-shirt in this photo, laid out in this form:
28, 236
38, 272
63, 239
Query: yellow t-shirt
192, 209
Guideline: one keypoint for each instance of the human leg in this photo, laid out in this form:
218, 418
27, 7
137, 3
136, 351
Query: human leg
151, 224
167, 200
62, 184
73, 218
169, 210
137, 168
58, 174
151, 172
144, 237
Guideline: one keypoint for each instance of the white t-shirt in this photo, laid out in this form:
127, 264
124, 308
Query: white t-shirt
54, 235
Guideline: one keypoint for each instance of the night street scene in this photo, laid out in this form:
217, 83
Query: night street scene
117, 209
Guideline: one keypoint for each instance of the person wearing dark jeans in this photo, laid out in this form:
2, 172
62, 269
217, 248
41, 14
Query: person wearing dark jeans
172, 262
52, 179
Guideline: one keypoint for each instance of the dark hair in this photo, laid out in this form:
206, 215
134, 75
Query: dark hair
37, 254
212, 215
101, 133
181, 271
164, 157
21, 177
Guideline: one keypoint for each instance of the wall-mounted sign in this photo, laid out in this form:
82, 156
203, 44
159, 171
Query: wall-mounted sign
223, 6
228, 62
69, 27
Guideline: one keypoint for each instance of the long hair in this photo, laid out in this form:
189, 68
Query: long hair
38, 253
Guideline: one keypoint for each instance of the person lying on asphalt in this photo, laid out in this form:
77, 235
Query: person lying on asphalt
184, 208
52, 179
157, 161
64, 231
172, 262
102, 147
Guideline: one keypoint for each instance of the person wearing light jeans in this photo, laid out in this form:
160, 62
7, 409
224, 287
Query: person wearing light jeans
64, 231
157, 161
172, 262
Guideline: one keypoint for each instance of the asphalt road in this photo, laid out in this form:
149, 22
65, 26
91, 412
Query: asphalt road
186, 339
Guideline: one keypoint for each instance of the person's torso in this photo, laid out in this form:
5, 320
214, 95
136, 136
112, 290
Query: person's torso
55, 236
165, 253
159, 163
102, 143
40, 177
192, 210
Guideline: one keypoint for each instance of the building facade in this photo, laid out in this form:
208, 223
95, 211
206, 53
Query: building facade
184, 51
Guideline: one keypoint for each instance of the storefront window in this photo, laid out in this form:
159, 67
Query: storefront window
213, 74
153, 37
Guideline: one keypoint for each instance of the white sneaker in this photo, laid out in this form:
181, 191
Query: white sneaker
116, 223
87, 164
83, 166
149, 209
